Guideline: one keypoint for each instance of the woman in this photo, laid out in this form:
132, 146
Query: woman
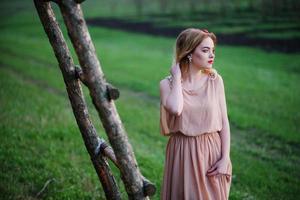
194, 114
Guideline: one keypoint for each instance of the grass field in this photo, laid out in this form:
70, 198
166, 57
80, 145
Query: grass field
40, 140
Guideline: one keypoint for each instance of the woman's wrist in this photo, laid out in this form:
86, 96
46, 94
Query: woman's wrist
226, 157
177, 79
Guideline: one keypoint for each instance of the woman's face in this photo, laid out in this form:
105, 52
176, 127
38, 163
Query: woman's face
204, 54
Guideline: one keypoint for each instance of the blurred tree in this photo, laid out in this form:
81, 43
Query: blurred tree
251, 5
193, 5
265, 7
237, 5
139, 7
113, 5
175, 9
206, 4
163, 5
224, 6
275, 7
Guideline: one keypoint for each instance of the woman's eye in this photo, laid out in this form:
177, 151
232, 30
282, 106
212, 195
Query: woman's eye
205, 51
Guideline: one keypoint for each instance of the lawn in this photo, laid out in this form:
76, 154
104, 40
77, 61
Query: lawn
41, 140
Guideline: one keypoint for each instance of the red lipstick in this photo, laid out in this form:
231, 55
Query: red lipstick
210, 61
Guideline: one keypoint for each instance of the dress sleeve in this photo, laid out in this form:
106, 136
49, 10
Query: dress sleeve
223, 108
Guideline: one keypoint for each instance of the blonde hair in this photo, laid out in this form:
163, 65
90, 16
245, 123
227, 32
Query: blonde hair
186, 43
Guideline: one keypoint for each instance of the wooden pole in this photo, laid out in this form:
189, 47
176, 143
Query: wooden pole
96, 83
76, 97
103, 95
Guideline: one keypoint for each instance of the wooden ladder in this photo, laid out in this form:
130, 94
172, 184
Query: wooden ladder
103, 95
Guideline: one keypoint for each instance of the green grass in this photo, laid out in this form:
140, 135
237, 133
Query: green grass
41, 140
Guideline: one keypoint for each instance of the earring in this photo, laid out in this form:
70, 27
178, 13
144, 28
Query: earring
190, 58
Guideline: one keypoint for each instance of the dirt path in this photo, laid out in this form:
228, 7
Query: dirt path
240, 39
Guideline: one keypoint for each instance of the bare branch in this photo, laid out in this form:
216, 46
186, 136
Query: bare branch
44, 187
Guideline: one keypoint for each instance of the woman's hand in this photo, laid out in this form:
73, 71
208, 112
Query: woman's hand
175, 71
220, 167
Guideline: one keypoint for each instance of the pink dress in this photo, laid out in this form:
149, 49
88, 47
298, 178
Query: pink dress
194, 144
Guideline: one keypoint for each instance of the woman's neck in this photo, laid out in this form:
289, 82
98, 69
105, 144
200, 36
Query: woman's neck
194, 73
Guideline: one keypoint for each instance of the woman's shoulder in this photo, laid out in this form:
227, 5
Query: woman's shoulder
216, 77
213, 75
219, 77
219, 81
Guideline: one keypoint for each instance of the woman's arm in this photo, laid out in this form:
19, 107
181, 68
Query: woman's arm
225, 132
221, 166
171, 97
